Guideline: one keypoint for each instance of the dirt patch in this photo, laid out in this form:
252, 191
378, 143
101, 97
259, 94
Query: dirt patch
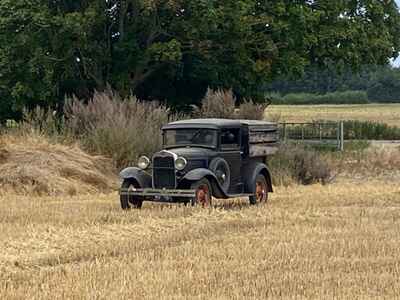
33, 165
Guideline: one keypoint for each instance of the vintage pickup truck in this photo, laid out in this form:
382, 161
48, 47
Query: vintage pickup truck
202, 159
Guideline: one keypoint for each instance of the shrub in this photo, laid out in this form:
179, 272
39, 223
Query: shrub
222, 104
346, 97
122, 129
249, 110
217, 104
296, 163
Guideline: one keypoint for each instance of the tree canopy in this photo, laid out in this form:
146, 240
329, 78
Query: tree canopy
174, 49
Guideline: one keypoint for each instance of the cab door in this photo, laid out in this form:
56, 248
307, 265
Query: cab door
230, 150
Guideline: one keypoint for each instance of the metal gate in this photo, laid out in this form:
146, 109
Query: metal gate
319, 133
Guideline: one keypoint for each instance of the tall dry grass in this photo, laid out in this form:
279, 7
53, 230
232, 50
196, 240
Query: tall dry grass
299, 164
122, 129
108, 125
217, 104
223, 104
370, 162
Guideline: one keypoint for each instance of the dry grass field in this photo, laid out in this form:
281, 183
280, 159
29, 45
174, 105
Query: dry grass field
338, 241
385, 113
69, 241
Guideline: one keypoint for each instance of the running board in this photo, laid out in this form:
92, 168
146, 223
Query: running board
240, 195
169, 193
158, 193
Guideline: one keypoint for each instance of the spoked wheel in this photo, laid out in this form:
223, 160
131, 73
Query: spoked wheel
203, 196
129, 201
261, 190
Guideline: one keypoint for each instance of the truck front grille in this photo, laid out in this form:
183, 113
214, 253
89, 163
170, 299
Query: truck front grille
164, 172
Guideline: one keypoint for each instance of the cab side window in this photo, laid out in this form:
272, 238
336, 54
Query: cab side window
230, 138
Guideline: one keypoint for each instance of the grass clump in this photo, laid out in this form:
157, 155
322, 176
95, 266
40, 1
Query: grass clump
122, 129
217, 104
223, 104
295, 163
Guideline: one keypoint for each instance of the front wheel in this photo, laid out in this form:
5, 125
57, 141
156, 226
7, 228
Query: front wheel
203, 192
128, 201
260, 190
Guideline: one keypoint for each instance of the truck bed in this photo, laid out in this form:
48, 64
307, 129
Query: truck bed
263, 137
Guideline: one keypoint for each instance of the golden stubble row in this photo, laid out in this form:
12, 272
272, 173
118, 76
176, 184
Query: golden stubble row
385, 113
339, 240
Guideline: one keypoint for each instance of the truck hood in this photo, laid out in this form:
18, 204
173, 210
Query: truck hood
193, 152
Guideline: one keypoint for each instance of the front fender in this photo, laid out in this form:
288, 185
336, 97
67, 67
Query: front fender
142, 177
201, 173
250, 174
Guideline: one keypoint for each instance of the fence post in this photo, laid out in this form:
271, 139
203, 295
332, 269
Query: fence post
320, 131
284, 132
341, 136
338, 136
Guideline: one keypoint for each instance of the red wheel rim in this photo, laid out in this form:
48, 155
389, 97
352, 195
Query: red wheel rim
203, 196
261, 191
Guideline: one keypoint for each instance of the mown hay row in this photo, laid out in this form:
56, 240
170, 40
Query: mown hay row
30, 164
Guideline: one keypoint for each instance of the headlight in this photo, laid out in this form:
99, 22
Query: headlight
143, 162
180, 163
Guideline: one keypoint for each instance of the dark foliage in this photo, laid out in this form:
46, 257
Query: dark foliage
174, 50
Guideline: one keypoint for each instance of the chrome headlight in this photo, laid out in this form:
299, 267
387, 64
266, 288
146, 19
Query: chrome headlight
180, 163
143, 162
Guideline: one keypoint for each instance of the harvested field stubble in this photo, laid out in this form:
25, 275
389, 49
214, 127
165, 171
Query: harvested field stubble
339, 240
384, 113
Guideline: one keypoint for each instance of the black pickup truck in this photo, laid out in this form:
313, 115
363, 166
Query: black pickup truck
202, 159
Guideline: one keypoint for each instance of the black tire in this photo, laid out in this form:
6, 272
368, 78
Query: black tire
260, 190
127, 201
203, 193
221, 169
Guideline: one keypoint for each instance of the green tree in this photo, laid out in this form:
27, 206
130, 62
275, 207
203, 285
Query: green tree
174, 49
385, 86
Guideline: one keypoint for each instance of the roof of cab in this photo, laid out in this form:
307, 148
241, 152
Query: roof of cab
212, 123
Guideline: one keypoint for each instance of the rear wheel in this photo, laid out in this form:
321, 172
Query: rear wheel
203, 192
129, 201
260, 190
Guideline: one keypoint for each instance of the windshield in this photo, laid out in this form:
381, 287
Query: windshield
190, 137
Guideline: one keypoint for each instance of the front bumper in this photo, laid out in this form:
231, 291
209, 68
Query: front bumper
158, 193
